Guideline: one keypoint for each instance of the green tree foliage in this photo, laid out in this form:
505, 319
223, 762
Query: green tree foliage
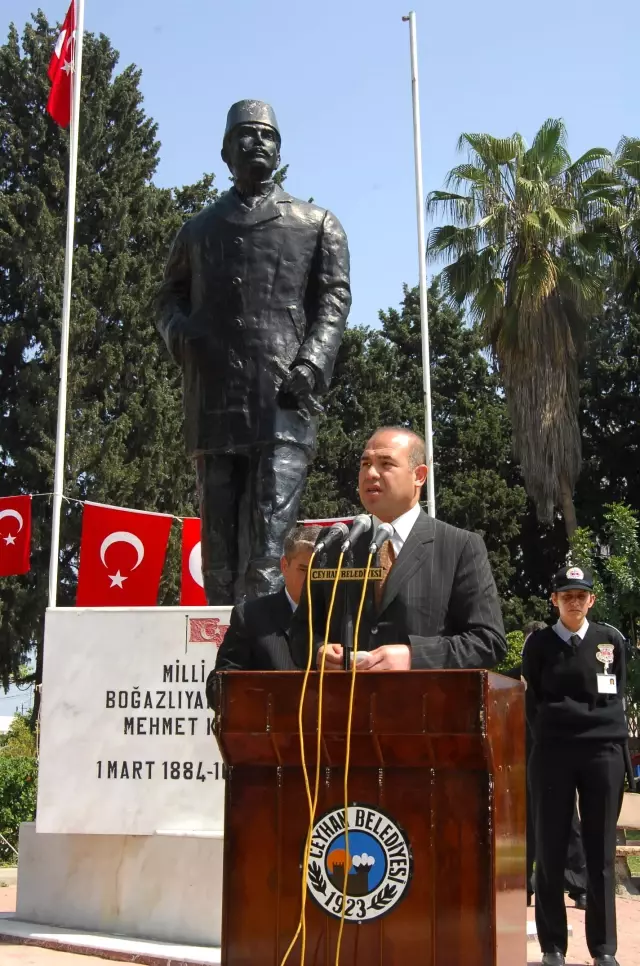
518, 255
613, 555
18, 792
610, 412
19, 741
627, 261
124, 428
513, 657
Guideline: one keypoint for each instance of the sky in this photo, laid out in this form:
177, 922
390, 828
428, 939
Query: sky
338, 76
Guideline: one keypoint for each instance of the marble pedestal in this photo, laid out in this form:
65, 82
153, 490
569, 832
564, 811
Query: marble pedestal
167, 888
130, 814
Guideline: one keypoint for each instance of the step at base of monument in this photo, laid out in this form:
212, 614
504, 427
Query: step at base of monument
116, 948
121, 949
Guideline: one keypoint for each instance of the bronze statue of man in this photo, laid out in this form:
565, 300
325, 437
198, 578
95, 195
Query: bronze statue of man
253, 306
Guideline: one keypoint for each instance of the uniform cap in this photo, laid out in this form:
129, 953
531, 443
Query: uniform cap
572, 577
251, 112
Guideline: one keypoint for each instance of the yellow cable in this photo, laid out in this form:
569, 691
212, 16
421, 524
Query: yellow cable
302, 925
347, 759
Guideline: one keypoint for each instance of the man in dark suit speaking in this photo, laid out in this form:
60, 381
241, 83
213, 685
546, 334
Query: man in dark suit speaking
438, 605
258, 635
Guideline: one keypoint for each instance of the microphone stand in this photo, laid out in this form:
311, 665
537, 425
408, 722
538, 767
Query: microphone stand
347, 619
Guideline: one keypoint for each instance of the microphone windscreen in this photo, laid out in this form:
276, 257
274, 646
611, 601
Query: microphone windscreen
382, 534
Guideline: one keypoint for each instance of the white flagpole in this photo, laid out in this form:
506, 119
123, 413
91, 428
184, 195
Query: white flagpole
58, 479
422, 264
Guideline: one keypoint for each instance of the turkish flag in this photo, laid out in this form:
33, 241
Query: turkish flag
15, 535
191, 586
61, 69
121, 556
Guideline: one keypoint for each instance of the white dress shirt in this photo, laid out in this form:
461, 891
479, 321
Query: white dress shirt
402, 527
566, 635
294, 606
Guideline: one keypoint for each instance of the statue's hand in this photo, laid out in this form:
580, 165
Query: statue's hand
299, 382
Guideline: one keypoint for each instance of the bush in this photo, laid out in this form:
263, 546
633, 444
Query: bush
19, 741
18, 784
513, 657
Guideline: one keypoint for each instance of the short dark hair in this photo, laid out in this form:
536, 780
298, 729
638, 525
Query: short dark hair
300, 538
418, 448
533, 626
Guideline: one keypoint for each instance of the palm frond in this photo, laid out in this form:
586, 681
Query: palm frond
551, 135
461, 208
581, 286
487, 305
468, 173
627, 157
532, 220
493, 151
595, 243
548, 153
563, 219
451, 241
600, 208
532, 193
535, 281
469, 273
601, 179
596, 159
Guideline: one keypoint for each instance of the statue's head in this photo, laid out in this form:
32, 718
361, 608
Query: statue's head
251, 145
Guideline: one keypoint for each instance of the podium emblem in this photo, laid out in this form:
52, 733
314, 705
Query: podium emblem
377, 863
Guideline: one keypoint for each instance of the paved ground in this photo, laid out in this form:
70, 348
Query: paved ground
16, 955
578, 955
628, 913
33, 956
8, 899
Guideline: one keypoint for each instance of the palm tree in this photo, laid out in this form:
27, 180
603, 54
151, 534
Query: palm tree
627, 164
519, 256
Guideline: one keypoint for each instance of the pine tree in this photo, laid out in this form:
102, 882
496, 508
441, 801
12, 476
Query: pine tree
124, 421
610, 412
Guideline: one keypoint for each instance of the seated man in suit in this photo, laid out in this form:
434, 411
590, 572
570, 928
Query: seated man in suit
258, 635
438, 606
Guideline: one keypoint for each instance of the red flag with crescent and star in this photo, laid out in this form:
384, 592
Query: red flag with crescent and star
15, 535
60, 73
192, 585
121, 556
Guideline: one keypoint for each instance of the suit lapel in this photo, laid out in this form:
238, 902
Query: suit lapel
231, 209
283, 612
413, 555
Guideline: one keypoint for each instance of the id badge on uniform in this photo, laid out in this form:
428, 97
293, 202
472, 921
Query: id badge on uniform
607, 684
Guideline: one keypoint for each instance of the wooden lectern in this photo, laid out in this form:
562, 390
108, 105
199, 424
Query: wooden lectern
436, 858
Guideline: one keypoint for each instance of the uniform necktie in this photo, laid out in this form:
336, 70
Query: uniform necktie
387, 558
575, 641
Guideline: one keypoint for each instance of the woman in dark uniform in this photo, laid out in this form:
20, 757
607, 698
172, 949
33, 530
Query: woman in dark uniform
575, 873
575, 676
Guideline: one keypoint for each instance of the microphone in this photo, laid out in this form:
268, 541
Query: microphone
361, 524
382, 534
339, 531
